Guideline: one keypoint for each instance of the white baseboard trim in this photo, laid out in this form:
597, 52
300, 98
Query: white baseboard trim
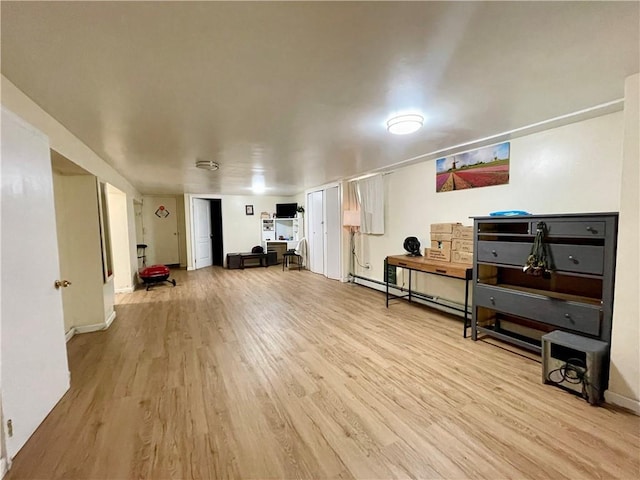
69, 335
96, 327
90, 328
3, 467
110, 320
622, 401
124, 290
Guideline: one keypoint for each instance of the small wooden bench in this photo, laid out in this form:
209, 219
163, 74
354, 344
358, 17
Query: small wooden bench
262, 257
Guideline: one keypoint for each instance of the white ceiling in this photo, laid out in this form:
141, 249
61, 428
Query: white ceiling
300, 92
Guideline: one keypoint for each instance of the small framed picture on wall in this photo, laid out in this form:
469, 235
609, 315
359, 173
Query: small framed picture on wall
248, 209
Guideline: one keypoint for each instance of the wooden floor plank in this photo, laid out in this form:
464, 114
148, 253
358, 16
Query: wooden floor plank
269, 374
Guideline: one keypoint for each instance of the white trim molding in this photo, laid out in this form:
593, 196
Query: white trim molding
3, 467
622, 401
90, 328
96, 327
69, 335
110, 320
124, 290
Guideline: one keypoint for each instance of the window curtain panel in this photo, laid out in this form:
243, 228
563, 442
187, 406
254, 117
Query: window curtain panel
351, 199
371, 199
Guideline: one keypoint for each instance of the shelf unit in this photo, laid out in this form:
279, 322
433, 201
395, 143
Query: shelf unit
578, 294
280, 234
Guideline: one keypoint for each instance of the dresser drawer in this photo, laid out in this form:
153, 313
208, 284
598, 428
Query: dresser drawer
568, 258
577, 258
568, 228
564, 314
506, 253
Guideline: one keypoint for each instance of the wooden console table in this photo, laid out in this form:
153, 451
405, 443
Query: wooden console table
445, 269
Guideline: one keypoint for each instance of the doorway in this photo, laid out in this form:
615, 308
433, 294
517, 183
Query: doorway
217, 256
207, 232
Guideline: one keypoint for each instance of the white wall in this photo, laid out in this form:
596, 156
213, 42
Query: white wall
240, 232
573, 168
119, 228
624, 383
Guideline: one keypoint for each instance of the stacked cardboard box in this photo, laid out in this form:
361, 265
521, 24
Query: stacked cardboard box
462, 245
451, 242
441, 238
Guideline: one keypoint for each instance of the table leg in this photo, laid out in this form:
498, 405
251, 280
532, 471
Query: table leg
409, 284
386, 276
466, 307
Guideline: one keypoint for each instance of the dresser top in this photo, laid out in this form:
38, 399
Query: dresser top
550, 215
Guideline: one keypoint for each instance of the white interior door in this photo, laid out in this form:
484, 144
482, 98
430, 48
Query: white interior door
34, 370
160, 227
332, 227
316, 231
202, 232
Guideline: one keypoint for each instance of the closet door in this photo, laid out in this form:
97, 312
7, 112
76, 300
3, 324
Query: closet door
160, 224
332, 232
315, 204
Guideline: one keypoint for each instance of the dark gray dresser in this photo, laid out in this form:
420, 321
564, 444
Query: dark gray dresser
577, 295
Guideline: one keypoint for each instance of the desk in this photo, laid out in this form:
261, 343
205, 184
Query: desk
434, 267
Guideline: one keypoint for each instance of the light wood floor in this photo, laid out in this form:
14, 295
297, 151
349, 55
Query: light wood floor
269, 374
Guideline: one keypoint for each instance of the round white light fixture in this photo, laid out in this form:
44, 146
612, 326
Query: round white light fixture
207, 165
404, 124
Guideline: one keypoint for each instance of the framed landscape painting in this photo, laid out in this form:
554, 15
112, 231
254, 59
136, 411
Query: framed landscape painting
484, 167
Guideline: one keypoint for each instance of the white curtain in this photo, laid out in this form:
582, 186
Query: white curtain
371, 200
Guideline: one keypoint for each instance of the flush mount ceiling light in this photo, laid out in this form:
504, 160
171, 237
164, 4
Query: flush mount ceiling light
404, 124
207, 165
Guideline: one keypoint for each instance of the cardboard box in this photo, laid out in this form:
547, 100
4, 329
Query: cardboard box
437, 254
443, 227
462, 245
441, 237
442, 245
462, 257
462, 232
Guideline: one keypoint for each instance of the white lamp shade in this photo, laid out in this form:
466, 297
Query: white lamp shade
351, 218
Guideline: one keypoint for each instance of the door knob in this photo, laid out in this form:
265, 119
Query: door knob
62, 283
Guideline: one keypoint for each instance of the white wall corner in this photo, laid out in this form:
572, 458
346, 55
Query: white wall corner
622, 401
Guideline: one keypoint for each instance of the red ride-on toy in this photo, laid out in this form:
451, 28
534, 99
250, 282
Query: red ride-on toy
156, 274
153, 274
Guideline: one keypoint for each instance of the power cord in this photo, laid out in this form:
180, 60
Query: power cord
355, 255
574, 371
